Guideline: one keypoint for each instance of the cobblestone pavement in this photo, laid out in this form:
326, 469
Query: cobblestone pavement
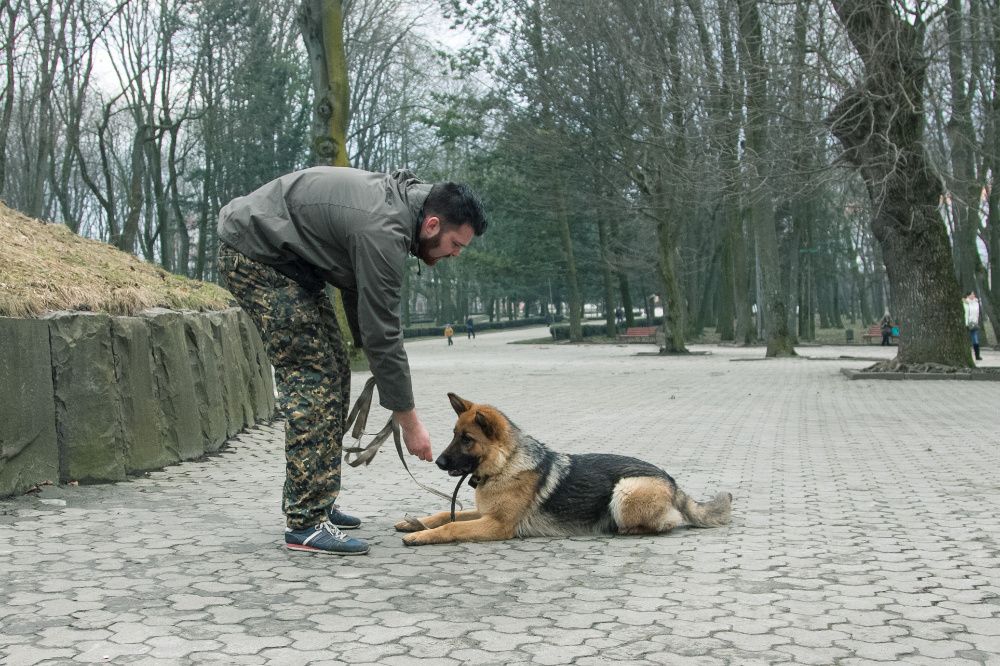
865, 530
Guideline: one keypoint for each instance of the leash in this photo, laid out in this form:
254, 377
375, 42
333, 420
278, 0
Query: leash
363, 455
454, 496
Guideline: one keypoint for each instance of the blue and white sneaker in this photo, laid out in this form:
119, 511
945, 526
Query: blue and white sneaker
342, 520
324, 538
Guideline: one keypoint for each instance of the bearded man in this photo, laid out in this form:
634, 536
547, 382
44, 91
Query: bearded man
280, 246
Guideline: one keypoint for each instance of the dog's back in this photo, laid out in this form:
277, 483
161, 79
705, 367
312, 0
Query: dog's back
602, 493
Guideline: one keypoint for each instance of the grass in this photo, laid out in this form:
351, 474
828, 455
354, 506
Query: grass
46, 267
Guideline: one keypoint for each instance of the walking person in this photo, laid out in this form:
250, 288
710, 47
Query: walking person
280, 246
448, 333
470, 329
972, 318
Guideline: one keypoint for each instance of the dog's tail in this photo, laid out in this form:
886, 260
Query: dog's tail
713, 513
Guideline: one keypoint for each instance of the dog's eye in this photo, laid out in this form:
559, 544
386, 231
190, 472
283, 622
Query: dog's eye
466, 440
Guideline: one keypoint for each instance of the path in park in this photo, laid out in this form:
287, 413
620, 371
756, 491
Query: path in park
865, 530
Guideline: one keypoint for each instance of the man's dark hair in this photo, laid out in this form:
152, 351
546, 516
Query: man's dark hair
456, 204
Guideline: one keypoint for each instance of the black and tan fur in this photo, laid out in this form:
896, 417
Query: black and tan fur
523, 488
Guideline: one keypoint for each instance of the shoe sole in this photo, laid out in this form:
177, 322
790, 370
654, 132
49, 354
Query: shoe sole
310, 549
347, 527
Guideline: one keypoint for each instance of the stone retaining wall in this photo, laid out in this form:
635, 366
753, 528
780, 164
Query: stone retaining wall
93, 398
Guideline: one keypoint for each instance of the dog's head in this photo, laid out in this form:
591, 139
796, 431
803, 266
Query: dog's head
481, 444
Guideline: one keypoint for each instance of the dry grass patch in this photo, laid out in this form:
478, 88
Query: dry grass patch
46, 267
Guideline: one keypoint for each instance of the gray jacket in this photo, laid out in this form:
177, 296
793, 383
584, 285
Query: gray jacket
350, 228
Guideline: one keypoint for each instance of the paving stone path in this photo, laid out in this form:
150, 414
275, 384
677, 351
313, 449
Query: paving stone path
866, 527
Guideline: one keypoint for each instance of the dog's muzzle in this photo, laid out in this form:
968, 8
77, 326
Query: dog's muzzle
457, 465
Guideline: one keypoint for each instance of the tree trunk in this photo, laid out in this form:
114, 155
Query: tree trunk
135, 196
606, 278
724, 318
880, 125
625, 290
42, 110
572, 283
964, 187
779, 342
322, 26
10, 28
991, 164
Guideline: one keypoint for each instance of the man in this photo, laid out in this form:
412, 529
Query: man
280, 246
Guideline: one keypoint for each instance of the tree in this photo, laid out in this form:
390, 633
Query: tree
880, 124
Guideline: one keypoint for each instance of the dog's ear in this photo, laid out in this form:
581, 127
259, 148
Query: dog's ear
460, 406
487, 424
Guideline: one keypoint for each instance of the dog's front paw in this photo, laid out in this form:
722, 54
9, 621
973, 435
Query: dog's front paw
410, 524
415, 539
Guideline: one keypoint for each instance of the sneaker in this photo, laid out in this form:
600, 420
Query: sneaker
324, 538
342, 520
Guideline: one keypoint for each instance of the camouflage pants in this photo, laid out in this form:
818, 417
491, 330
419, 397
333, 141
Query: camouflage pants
313, 375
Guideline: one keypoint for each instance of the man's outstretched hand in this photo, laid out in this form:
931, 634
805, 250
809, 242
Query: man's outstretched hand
415, 436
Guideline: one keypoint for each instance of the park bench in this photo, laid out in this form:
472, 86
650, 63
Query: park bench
638, 334
874, 332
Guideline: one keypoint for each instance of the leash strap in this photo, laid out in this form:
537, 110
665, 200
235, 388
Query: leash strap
362, 455
454, 496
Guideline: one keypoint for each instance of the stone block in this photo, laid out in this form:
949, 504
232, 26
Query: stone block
259, 367
86, 393
28, 450
237, 397
175, 386
141, 418
205, 356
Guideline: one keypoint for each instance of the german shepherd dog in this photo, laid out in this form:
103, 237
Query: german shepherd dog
523, 489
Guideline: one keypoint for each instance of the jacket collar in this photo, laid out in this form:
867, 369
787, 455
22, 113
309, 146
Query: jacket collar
416, 194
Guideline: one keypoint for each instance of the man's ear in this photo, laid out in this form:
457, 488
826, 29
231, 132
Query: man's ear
431, 227
461, 406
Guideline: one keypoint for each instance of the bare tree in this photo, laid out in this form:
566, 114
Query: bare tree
880, 124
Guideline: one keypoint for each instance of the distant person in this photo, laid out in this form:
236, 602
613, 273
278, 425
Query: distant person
886, 328
972, 317
619, 315
470, 329
448, 333
280, 246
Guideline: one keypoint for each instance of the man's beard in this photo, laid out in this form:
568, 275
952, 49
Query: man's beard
424, 248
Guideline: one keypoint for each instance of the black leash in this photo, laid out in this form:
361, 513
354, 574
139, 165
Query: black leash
454, 496
363, 455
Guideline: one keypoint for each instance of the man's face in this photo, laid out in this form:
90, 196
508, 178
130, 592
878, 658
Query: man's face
438, 240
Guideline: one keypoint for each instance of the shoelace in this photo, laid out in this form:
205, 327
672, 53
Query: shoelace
333, 530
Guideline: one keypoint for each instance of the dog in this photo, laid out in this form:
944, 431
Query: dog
524, 489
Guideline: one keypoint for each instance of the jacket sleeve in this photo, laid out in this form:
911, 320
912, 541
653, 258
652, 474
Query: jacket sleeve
350, 297
378, 266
